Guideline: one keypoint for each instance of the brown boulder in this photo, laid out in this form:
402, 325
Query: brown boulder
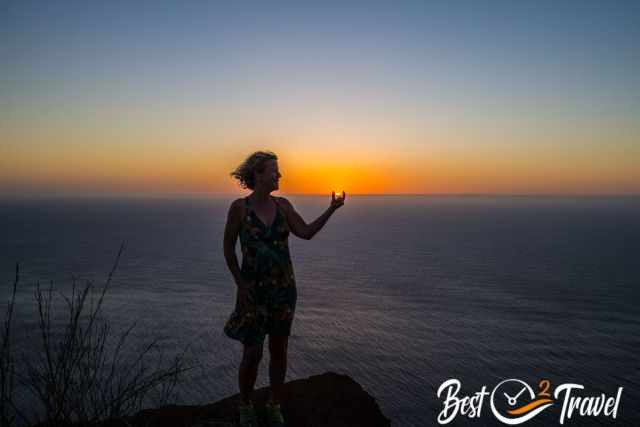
324, 400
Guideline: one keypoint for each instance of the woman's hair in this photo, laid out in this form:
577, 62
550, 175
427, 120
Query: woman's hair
254, 163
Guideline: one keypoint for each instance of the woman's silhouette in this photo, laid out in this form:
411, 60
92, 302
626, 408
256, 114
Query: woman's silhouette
265, 283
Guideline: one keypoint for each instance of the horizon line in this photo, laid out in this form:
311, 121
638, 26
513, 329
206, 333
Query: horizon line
100, 195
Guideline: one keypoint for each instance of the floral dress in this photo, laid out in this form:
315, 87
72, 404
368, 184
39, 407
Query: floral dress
266, 262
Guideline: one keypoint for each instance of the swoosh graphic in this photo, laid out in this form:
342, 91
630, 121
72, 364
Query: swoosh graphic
529, 407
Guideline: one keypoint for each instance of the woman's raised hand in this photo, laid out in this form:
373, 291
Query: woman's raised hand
336, 202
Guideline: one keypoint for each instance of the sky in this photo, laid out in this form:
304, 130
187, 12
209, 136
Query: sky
401, 97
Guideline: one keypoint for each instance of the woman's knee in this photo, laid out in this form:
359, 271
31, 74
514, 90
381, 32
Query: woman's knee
278, 346
252, 354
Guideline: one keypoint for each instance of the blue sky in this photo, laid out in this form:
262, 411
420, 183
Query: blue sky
289, 67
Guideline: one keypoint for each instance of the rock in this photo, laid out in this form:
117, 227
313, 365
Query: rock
326, 400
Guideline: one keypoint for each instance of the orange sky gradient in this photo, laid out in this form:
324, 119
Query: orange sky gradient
183, 157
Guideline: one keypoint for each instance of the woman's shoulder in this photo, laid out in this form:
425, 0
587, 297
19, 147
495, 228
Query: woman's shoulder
283, 201
237, 206
240, 201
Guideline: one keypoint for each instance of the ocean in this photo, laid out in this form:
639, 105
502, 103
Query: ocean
401, 293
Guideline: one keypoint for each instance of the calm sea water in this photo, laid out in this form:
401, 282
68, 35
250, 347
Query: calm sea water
399, 292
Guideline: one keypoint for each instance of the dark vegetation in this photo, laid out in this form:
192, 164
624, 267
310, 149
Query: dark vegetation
80, 375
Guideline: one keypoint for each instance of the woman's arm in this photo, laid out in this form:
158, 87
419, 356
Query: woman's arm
299, 227
231, 231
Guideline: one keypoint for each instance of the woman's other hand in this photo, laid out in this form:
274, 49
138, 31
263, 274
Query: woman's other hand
245, 297
336, 202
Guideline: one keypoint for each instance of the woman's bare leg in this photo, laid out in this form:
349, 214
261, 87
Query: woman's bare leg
248, 372
277, 366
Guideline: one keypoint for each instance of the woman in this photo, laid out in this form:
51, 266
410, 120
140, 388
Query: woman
266, 287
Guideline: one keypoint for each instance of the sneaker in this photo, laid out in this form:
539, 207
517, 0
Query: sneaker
274, 415
247, 415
